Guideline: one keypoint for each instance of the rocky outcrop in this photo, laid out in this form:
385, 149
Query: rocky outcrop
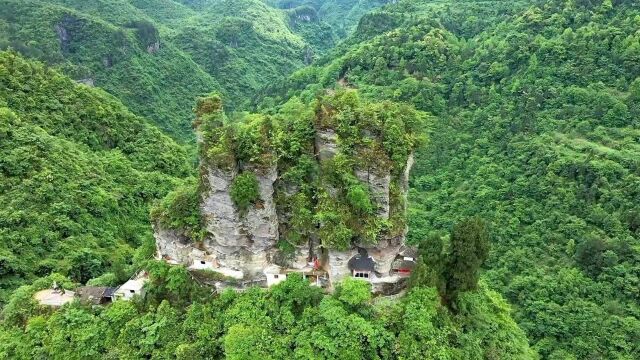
175, 247
326, 144
327, 193
337, 264
248, 242
65, 29
261, 221
379, 188
222, 219
245, 242
236, 241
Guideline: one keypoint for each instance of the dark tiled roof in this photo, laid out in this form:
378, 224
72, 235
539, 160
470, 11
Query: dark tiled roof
409, 252
109, 292
362, 262
94, 294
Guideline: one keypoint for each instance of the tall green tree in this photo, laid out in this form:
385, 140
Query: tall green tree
469, 250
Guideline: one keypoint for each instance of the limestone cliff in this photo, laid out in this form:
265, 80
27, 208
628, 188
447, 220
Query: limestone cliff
322, 195
243, 242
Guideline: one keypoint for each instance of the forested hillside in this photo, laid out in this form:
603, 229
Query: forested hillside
342, 15
290, 321
538, 133
110, 46
534, 126
80, 169
157, 56
77, 173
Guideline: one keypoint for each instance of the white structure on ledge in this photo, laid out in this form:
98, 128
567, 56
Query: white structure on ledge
131, 288
275, 275
210, 264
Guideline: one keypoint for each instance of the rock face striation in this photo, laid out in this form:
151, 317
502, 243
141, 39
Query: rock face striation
318, 225
238, 241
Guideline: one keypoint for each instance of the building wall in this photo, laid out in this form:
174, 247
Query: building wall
274, 279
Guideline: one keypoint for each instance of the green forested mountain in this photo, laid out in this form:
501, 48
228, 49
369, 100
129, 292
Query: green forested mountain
534, 109
157, 56
77, 173
244, 44
112, 46
537, 132
341, 15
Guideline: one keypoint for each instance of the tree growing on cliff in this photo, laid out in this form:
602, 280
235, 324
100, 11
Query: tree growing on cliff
245, 190
431, 263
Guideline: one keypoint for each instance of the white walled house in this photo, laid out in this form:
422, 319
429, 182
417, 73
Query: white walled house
274, 275
130, 289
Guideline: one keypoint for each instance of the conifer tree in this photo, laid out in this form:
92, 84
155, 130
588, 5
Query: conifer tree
469, 250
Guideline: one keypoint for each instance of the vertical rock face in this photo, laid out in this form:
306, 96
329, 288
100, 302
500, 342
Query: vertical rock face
173, 246
379, 188
337, 264
64, 30
325, 187
243, 242
222, 219
261, 221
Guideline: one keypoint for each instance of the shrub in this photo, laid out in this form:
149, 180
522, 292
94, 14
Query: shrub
245, 190
358, 198
180, 210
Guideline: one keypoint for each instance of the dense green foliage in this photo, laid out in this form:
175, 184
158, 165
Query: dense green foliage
111, 45
341, 15
180, 210
453, 269
290, 321
244, 190
157, 56
469, 250
244, 44
533, 111
77, 172
537, 132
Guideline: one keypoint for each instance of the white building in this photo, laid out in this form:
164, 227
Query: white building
130, 289
274, 275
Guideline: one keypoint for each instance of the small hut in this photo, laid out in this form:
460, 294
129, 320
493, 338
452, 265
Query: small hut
130, 289
405, 262
95, 295
362, 265
275, 275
